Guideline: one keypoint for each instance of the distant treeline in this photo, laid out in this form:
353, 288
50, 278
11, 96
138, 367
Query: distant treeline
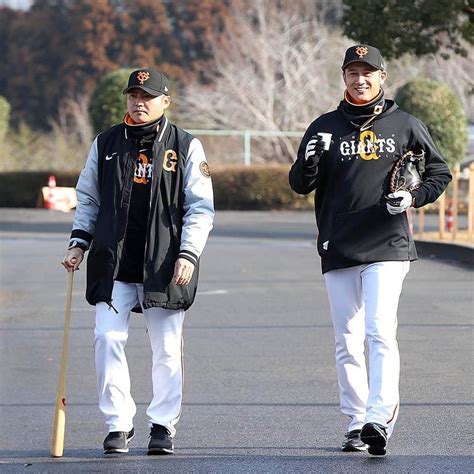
56, 52
60, 49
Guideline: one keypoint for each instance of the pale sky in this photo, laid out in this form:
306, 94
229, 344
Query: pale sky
19, 4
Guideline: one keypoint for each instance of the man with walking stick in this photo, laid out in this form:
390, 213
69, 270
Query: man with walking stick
145, 209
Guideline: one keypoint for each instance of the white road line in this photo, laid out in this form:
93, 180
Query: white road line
213, 292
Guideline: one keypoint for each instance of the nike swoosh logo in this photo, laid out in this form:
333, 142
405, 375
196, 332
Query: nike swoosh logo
109, 157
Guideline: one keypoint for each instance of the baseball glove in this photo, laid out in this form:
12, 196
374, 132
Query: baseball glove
406, 172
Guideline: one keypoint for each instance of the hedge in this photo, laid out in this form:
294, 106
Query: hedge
22, 189
256, 187
5, 109
108, 104
441, 111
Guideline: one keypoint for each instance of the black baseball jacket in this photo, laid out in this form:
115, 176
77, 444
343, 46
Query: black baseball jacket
351, 180
180, 216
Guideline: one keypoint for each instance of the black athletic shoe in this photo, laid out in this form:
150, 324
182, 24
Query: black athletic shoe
375, 436
352, 442
117, 441
160, 440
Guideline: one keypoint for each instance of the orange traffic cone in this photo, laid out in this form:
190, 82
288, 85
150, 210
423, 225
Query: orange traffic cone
50, 198
52, 181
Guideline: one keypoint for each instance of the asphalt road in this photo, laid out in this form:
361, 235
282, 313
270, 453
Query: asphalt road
257, 224
260, 382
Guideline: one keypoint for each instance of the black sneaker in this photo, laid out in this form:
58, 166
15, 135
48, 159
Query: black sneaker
375, 436
352, 442
160, 440
117, 441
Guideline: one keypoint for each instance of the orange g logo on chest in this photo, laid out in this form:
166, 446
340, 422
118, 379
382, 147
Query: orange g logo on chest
170, 160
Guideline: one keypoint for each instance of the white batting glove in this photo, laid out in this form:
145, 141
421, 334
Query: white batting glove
314, 151
399, 202
314, 147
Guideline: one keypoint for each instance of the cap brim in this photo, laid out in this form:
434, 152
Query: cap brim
362, 61
146, 89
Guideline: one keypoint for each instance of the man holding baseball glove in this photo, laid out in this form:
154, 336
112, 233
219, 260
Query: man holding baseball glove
145, 209
368, 162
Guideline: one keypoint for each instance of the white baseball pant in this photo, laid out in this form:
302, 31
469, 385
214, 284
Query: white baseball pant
364, 302
165, 329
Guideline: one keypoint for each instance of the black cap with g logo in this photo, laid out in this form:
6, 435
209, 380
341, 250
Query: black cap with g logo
149, 80
363, 53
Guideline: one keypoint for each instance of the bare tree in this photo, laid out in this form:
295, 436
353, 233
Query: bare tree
279, 67
276, 71
68, 142
457, 72
77, 113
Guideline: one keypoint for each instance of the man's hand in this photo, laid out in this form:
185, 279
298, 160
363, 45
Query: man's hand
72, 259
314, 151
399, 202
183, 271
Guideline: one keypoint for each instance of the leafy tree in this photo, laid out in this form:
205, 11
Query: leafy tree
4, 117
59, 50
90, 39
144, 30
175, 37
108, 104
410, 26
196, 27
440, 109
64, 51
146, 38
32, 71
8, 17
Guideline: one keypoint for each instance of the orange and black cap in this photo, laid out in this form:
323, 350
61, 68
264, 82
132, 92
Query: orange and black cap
149, 80
363, 53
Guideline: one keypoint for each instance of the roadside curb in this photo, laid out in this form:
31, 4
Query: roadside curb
463, 254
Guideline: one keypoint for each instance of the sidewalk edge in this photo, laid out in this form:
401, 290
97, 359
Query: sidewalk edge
447, 251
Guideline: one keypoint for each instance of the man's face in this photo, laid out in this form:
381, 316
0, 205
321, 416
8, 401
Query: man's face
143, 107
363, 82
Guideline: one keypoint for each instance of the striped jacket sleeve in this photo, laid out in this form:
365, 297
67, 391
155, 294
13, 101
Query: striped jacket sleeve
198, 203
88, 199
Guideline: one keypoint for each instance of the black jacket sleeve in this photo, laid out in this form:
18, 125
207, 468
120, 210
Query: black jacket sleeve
303, 178
437, 175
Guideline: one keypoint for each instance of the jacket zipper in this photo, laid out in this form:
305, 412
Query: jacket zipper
153, 181
161, 130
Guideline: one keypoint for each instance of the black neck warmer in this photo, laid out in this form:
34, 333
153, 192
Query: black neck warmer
144, 132
363, 115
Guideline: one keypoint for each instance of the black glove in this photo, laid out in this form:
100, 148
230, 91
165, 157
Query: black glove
314, 150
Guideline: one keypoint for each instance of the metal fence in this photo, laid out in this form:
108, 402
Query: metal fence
247, 136
457, 199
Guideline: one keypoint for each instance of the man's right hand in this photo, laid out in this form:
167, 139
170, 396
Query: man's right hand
314, 151
72, 259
